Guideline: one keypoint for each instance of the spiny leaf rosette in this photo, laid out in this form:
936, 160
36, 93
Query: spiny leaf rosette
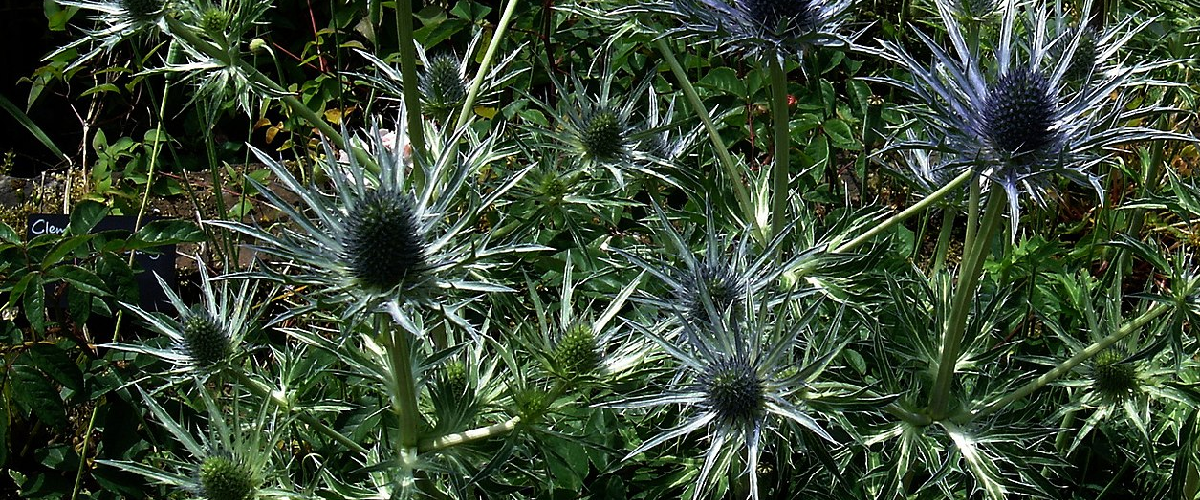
205, 338
383, 244
442, 84
1113, 379
733, 391
225, 478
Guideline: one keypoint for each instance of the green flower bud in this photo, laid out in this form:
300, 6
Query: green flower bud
577, 353
205, 339
1114, 379
442, 85
602, 136
223, 478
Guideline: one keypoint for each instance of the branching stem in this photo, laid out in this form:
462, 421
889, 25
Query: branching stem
464, 437
464, 115
263, 392
917, 208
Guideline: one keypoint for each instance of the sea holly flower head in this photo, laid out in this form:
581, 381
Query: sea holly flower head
119, 20
738, 382
207, 336
384, 237
1008, 109
782, 29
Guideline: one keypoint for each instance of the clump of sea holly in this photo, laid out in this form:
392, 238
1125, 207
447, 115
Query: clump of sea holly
224, 477
1112, 377
382, 244
443, 85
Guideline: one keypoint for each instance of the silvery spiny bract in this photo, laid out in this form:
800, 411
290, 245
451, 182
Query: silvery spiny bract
740, 383
208, 335
1007, 108
119, 20
782, 29
373, 237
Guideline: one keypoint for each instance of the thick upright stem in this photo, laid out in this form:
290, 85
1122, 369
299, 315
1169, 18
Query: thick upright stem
783, 147
1080, 357
404, 385
974, 255
408, 72
917, 208
726, 160
464, 115
464, 437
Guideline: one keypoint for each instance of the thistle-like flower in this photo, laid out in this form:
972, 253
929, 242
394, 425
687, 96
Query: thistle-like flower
371, 238
781, 29
206, 336
716, 283
443, 83
604, 130
740, 381
1011, 113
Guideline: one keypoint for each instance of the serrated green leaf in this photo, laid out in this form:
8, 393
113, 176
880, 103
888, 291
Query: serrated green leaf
840, 132
57, 363
724, 79
33, 390
167, 232
85, 216
35, 303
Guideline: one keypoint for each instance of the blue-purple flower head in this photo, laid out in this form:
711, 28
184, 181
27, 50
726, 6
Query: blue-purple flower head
1042, 99
783, 29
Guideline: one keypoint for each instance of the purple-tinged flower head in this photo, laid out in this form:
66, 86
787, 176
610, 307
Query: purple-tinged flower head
1008, 109
782, 29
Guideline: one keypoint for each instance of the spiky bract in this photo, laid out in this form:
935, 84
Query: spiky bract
383, 244
603, 136
716, 282
143, 9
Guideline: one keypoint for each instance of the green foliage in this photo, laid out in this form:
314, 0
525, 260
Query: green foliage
554, 273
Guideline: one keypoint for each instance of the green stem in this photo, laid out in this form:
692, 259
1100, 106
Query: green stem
1084, 355
408, 73
265, 393
974, 254
920, 206
464, 115
783, 147
943, 244
726, 160
87, 438
404, 386
464, 437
